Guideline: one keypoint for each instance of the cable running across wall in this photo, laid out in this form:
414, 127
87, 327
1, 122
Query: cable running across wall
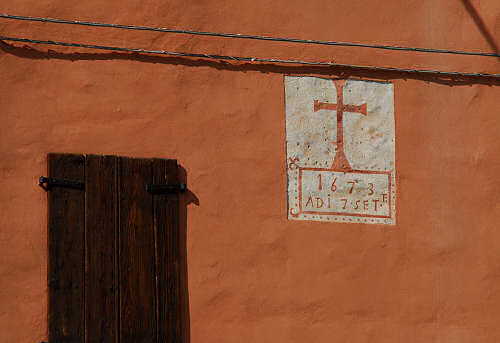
245, 36
249, 59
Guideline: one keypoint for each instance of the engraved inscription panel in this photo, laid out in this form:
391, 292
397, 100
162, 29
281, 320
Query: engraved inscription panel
340, 150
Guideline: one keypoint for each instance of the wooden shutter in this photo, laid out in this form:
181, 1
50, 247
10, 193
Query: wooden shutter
113, 251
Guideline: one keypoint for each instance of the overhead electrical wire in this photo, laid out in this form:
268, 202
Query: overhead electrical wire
250, 59
245, 36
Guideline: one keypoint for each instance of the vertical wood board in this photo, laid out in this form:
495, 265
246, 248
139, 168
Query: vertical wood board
136, 253
166, 219
100, 270
66, 250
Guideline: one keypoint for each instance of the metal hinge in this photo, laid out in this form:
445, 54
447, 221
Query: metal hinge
47, 182
163, 189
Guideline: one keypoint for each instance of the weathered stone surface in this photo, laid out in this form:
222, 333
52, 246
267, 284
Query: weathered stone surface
340, 150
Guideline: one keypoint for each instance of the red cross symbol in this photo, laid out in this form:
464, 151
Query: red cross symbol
340, 161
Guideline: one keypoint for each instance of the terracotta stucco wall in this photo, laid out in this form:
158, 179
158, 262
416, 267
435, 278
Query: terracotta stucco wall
254, 276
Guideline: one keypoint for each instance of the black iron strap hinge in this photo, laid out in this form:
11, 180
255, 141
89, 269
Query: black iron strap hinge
163, 189
48, 182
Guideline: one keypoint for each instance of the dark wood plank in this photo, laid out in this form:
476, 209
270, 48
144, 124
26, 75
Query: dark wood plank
136, 253
66, 250
101, 249
166, 218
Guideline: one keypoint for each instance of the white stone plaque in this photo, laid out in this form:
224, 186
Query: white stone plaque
340, 150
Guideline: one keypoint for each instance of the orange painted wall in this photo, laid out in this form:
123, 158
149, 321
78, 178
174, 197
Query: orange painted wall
254, 276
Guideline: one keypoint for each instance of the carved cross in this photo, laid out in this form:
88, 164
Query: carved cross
340, 161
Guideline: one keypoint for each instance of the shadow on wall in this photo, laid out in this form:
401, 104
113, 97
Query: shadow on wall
480, 25
340, 71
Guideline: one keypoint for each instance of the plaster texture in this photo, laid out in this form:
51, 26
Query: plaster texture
254, 275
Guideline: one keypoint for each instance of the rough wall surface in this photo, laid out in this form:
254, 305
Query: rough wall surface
255, 276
